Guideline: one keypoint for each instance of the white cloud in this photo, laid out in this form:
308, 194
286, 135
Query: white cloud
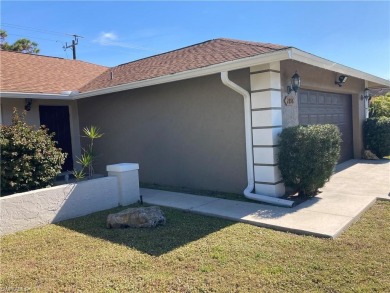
106, 39
112, 39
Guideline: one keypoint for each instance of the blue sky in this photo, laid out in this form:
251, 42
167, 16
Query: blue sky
353, 33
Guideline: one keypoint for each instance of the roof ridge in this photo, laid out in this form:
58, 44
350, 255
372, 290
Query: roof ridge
163, 53
199, 55
265, 45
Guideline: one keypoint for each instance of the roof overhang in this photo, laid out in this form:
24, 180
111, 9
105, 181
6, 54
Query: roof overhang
284, 54
313, 60
213, 69
42, 96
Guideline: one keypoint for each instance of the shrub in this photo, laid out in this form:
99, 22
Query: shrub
380, 106
308, 155
377, 135
29, 157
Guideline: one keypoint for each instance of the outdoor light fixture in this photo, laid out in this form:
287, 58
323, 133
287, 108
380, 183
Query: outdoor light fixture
27, 106
342, 80
367, 94
295, 83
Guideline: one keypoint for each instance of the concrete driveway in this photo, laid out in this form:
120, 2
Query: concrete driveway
355, 186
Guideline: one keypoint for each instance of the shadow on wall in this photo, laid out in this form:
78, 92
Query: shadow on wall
40, 207
88, 197
180, 229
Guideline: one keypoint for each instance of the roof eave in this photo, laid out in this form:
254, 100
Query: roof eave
284, 54
213, 69
43, 96
311, 59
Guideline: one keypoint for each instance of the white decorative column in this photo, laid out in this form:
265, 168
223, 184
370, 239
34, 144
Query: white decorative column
128, 182
266, 125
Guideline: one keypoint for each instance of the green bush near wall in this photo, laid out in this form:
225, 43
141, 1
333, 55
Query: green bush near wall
308, 155
29, 157
377, 135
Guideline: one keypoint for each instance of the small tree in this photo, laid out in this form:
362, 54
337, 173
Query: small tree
308, 155
380, 106
88, 156
29, 156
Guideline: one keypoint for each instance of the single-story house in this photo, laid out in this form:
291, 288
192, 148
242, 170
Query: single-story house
206, 116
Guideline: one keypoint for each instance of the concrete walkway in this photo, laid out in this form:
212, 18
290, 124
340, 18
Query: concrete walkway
351, 191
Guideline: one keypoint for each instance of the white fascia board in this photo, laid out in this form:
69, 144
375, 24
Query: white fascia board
19, 95
311, 59
213, 69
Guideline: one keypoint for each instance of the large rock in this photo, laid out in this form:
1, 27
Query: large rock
144, 217
368, 155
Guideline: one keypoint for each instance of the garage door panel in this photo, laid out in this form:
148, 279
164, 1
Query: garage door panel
328, 108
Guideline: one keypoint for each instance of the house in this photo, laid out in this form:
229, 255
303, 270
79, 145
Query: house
206, 116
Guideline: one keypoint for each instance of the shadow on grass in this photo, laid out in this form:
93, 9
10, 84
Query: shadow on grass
181, 228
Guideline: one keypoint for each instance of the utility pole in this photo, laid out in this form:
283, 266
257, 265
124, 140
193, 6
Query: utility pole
75, 42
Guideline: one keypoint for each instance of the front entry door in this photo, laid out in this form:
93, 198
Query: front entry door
56, 119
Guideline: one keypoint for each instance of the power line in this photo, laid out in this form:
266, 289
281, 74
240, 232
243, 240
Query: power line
24, 36
35, 29
75, 41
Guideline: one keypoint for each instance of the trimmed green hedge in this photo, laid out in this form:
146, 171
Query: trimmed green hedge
308, 155
29, 157
377, 135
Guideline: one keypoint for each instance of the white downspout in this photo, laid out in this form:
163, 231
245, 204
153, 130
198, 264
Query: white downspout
248, 144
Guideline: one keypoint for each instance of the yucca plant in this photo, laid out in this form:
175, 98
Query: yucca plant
87, 159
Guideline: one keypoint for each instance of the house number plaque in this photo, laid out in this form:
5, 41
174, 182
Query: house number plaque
289, 100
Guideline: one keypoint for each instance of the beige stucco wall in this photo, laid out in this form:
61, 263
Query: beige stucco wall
187, 133
32, 117
314, 78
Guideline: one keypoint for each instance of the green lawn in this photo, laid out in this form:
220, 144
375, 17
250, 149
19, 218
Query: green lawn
194, 253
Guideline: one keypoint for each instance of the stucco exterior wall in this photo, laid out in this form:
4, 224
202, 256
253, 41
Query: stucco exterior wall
39, 207
314, 78
36, 208
187, 133
32, 117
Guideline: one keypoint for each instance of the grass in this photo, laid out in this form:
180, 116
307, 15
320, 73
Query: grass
194, 253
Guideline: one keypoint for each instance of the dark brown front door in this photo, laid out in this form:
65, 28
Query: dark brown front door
328, 108
56, 119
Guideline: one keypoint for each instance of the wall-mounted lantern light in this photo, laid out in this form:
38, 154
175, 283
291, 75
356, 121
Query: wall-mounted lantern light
367, 94
27, 106
342, 79
295, 83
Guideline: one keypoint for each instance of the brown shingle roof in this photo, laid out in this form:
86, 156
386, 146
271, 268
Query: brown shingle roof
41, 74
196, 56
30, 73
